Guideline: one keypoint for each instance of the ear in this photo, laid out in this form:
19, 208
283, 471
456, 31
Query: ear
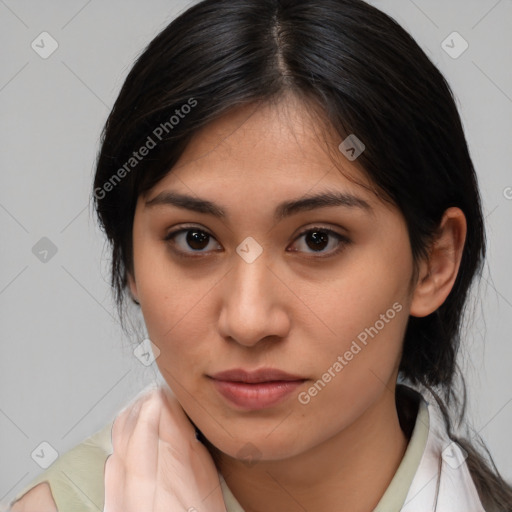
133, 287
437, 274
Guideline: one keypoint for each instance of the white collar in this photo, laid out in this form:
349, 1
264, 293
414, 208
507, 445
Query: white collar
442, 482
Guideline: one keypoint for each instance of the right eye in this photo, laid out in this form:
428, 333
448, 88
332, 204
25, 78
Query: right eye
186, 238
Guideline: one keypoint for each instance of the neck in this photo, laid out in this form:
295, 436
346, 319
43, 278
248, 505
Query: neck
348, 472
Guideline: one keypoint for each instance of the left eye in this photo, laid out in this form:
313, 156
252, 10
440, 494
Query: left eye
317, 239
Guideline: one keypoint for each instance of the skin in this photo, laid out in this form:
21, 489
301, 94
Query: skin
294, 311
38, 498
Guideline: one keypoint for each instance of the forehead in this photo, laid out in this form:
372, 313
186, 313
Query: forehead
272, 145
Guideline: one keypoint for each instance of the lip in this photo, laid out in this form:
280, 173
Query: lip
255, 390
255, 376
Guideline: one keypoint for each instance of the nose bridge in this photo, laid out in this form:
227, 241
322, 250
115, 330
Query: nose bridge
250, 308
251, 278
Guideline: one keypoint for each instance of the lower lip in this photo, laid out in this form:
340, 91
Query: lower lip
256, 396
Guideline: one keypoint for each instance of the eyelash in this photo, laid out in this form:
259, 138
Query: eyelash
343, 241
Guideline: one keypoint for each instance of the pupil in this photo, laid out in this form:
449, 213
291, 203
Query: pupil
196, 239
318, 238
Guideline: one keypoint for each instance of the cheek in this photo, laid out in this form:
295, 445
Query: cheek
174, 306
365, 347
355, 297
363, 313
357, 365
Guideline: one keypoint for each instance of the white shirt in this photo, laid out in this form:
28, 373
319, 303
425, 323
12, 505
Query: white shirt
442, 482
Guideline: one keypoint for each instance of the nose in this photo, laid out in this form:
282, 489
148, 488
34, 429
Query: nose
253, 303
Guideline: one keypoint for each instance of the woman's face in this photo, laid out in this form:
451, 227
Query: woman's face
249, 290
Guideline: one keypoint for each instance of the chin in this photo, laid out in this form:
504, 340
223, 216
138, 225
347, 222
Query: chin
253, 448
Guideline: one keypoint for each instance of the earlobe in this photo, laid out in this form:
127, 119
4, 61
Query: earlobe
438, 274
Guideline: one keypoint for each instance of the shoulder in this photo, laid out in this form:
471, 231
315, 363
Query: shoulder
75, 481
38, 498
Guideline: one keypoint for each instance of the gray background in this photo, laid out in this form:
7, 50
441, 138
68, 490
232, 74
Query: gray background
66, 367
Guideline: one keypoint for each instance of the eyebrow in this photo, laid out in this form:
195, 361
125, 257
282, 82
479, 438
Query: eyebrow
286, 209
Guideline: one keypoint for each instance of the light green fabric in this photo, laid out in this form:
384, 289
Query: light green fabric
76, 478
394, 497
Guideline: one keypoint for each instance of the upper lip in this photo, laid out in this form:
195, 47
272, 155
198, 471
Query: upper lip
255, 376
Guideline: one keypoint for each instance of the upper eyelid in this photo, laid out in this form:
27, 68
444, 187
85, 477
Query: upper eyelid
185, 228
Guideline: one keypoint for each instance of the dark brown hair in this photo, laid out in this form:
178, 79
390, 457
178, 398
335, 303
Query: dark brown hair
368, 77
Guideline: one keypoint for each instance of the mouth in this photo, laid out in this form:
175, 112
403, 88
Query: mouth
255, 390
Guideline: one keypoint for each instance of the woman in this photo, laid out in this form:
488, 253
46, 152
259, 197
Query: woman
291, 202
